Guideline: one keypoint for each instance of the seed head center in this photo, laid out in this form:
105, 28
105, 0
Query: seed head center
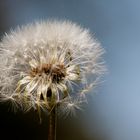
55, 72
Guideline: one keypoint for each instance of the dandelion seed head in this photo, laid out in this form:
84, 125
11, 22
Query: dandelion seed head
49, 63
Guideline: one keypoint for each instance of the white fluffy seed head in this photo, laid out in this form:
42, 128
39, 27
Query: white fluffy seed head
45, 64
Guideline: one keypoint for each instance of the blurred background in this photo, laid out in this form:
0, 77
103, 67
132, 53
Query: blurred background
113, 111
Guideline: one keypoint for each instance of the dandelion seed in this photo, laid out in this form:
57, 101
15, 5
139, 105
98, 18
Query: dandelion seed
48, 64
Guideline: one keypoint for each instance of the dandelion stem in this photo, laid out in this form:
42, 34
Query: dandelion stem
52, 124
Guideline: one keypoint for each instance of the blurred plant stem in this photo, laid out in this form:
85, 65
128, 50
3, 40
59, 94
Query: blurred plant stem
52, 124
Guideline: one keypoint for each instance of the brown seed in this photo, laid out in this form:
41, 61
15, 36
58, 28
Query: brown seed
57, 73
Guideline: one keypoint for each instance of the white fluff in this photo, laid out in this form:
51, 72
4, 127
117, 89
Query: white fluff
70, 54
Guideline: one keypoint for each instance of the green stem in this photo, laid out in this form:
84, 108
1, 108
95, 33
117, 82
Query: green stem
52, 124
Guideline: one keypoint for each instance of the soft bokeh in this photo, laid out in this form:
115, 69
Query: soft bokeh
113, 112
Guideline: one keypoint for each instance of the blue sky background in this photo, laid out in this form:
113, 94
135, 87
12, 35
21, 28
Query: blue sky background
114, 111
